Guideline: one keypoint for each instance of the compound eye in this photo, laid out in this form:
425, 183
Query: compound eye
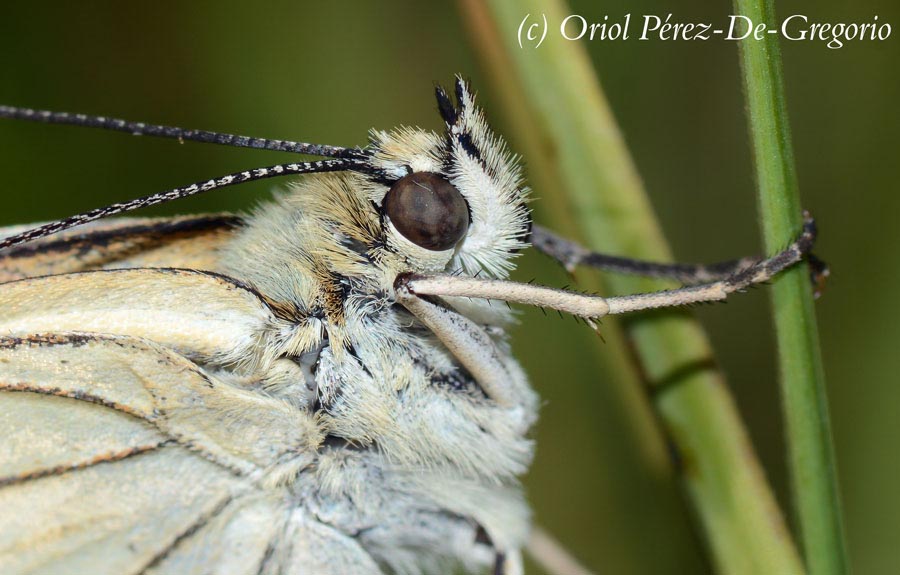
427, 210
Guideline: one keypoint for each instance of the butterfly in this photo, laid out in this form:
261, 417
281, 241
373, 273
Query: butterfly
321, 386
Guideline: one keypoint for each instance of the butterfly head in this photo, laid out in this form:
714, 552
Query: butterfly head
453, 201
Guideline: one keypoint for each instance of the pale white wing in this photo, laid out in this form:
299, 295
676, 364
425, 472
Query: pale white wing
241, 538
184, 242
118, 454
202, 315
298, 545
313, 548
108, 518
121, 378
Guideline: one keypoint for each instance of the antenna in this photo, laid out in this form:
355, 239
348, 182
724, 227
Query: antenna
181, 134
343, 159
335, 165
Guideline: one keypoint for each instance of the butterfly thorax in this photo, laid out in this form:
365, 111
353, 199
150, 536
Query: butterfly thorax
396, 412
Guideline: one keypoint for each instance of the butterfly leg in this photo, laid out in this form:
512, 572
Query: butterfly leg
757, 273
502, 381
593, 307
572, 255
470, 344
551, 555
509, 564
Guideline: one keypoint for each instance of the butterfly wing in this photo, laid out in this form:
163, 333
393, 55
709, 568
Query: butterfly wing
205, 316
184, 242
129, 442
118, 451
122, 455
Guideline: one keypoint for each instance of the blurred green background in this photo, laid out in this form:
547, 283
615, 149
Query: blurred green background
327, 72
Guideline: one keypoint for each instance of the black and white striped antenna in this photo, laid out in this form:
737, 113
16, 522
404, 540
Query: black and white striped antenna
181, 134
341, 159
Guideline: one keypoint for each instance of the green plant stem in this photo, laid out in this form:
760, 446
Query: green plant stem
574, 146
811, 457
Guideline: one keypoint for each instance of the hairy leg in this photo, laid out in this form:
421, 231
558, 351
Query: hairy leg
572, 255
593, 306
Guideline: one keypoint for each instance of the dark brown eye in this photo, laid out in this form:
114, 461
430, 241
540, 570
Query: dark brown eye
427, 210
